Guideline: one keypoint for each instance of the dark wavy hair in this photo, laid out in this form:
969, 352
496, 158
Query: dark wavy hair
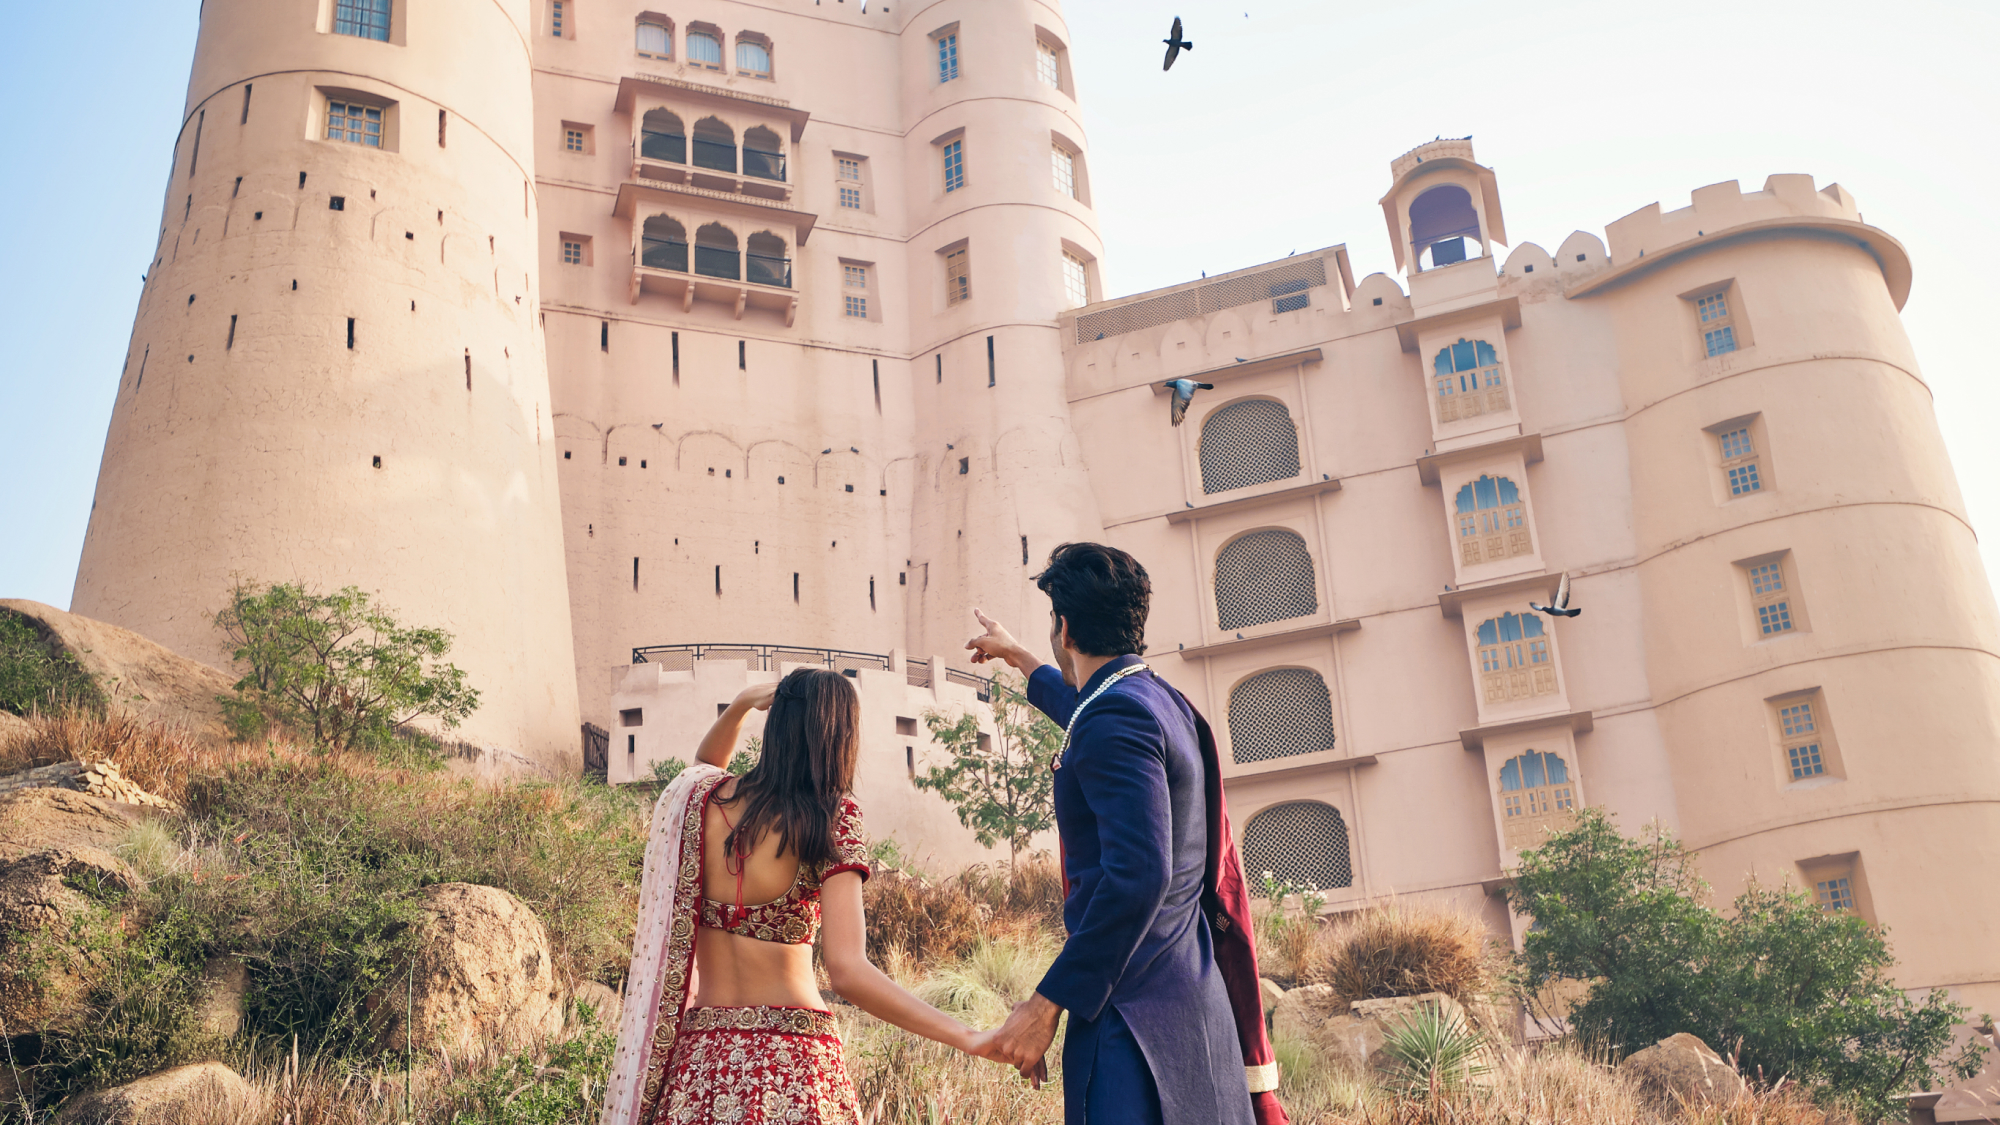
811, 741
1103, 593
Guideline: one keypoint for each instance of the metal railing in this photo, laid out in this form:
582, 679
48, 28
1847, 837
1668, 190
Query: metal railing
670, 147
713, 261
766, 270
714, 154
763, 165
664, 254
768, 658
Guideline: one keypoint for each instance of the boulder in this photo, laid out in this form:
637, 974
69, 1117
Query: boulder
47, 943
137, 674
1356, 1037
609, 1006
34, 820
1299, 1013
1681, 1070
206, 1091
1268, 990
481, 977
219, 1006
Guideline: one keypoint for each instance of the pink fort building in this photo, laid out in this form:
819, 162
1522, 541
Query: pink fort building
653, 352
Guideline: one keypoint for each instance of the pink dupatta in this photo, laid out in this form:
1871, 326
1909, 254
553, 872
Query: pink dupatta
662, 974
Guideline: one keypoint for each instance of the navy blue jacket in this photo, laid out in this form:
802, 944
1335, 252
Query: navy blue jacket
1131, 810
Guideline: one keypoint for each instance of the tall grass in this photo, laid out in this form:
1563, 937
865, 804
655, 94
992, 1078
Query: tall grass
160, 758
1400, 950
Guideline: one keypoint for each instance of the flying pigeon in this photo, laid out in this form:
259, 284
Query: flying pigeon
1561, 608
1184, 390
1175, 44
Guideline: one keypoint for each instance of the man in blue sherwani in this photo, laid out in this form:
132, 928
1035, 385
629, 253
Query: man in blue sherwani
1153, 1038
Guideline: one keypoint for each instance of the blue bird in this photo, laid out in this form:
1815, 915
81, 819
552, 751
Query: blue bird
1175, 44
1184, 390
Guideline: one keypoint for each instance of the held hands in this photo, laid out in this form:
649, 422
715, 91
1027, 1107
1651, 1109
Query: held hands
996, 643
1023, 1041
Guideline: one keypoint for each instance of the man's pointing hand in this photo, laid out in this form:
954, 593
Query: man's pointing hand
996, 643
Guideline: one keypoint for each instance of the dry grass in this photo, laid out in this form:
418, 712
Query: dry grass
935, 920
158, 757
1399, 950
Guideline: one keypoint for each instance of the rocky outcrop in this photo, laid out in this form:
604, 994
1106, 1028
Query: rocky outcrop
608, 1005
1681, 1070
1301, 1012
49, 929
137, 674
206, 1091
225, 982
34, 820
481, 976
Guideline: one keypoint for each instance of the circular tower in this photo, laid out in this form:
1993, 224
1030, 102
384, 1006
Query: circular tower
999, 190
1817, 624
336, 376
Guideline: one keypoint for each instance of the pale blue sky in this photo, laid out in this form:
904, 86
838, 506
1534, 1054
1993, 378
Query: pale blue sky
1290, 111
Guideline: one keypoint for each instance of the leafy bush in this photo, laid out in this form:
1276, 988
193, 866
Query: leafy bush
36, 675
1003, 790
1796, 991
563, 1085
337, 666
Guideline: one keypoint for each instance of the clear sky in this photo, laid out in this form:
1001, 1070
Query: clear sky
1273, 135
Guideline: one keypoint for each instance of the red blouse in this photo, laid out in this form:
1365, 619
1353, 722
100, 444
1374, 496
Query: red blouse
793, 918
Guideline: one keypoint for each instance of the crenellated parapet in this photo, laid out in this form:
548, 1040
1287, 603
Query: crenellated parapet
1723, 207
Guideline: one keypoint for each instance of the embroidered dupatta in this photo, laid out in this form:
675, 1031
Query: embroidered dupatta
662, 974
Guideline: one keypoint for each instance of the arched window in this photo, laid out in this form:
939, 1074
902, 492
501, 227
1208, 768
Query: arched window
1441, 219
1297, 842
662, 137
1264, 576
1492, 523
753, 55
1514, 660
1248, 443
714, 143
705, 49
664, 244
715, 252
1280, 714
654, 36
1535, 799
763, 154
766, 263
1469, 381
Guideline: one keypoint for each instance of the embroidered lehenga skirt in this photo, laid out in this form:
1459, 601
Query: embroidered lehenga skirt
758, 1066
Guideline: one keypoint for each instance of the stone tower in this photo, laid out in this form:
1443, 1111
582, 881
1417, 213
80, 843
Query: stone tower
336, 373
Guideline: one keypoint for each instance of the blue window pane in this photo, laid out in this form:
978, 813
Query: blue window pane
705, 49
1508, 493
954, 166
1488, 633
1510, 774
1534, 626
947, 57
368, 19
1720, 340
1806, 762
752, 58
1510, 627
1558, 770
1486, 356
1442, 365
1775, 618
1462, 356
1464, 500
1531, 770
1742, 479
1487, 496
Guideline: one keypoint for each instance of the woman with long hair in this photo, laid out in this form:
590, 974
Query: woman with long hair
723, 1018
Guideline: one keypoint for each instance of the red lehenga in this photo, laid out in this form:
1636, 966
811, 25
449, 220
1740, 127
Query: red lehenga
677, 1065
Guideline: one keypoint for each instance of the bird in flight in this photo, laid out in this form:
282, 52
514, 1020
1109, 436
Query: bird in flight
1175, 44
1184, 390
1561, 608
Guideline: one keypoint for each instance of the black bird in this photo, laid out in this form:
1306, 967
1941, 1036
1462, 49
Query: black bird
1561, 608
1175, 44
1184, 390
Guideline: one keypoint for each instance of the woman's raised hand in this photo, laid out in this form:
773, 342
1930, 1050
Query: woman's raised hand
758, 697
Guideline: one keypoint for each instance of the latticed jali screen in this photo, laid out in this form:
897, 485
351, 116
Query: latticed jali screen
1301, 842
1280, 714
1282, 285
1248, 443
1264, 576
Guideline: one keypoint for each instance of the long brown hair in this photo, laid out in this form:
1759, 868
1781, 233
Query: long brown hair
811, 741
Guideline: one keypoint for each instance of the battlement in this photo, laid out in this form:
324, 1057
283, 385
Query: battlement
1460, 147
1720, 207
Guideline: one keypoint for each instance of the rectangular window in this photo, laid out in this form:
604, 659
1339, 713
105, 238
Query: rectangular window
854, 277
1048, 66
957, 276
954, 165
572, 253
355, 124
1772, 601
1718, 332
1064, 163
368, 19
947, 56
556, 18
1076, 280
857, 306
850, 197
1801, 735
848, 169
572, 140
1739, 462
655, 41
1836, 892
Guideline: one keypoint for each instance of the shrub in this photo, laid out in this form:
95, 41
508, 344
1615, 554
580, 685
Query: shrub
157, 757
1434, 1053
1003, 790
1400, 950
37, 675
935, 920
337, 665
1797, 991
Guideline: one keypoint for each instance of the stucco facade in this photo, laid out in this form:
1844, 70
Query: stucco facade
774, 324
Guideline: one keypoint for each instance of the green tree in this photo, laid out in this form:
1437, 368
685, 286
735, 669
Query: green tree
38, 674
1791, 989
338, 665
1004, 789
